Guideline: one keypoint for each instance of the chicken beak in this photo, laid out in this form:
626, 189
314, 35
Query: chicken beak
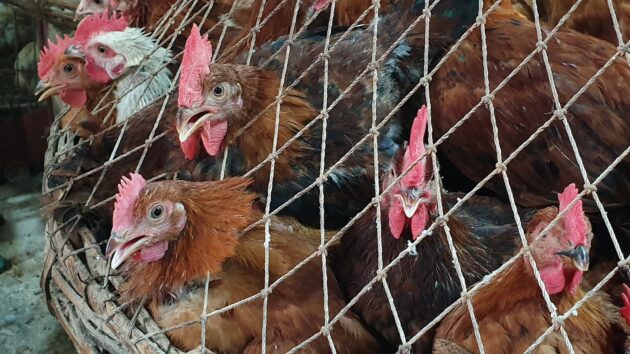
186, 128
120, 247
579, 256
410, 205
75, 51
45, 89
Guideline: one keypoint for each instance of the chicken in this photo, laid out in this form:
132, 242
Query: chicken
511, 312
274, 25
218, 101
592, 17
547, 164
348, 11
114, 52
66, 76
163, 156
149, 14
172, 234
423, 284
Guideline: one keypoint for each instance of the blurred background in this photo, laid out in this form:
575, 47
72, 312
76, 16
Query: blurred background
26, 326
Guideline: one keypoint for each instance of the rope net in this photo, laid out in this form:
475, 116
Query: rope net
78, 269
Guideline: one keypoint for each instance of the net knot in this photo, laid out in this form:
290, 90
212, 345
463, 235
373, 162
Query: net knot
325, 331
442, 220
589, 188
324, 113
561, 113
373, 66
377, 200
464, 296
425, 80
374, 131
431, 149
380, 275
501, 167
426, 13
557, 322
322, 250
279, 99
481, 20
541, 45
487, 99
265, 292
324, 56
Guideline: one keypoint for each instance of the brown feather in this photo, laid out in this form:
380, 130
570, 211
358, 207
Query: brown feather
512, 314
211, 244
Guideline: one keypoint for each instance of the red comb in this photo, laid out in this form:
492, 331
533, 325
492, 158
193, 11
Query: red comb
98, 23
128, 192
574, 219
50, 53
195, 66
416, 149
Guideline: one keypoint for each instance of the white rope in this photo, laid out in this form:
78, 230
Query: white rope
326, 329
559, 113
266, 291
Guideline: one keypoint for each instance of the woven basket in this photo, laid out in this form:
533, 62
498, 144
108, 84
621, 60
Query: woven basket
73, 278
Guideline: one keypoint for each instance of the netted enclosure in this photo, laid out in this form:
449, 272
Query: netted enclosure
389, 176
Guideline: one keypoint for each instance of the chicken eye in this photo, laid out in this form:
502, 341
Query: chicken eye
102, 49
219, 91
157, 212
415, 192
68, 68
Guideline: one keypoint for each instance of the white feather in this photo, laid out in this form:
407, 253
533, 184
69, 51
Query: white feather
134, 45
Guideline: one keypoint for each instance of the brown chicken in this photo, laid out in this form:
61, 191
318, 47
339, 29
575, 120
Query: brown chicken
171, 234
150, 14
598, 119
425, 283
511, 312
275, 25
592, 17
279, 24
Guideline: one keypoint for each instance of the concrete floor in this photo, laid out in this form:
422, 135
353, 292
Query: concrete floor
26, 326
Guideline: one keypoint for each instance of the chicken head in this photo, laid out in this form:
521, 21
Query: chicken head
94, 38
91, 7
411, 199
562, 254
63, 75
144, 222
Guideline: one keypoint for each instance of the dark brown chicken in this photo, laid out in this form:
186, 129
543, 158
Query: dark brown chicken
224, 106
511, 312
172, 234
275, 26
592, 17
425, 283
598, 119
